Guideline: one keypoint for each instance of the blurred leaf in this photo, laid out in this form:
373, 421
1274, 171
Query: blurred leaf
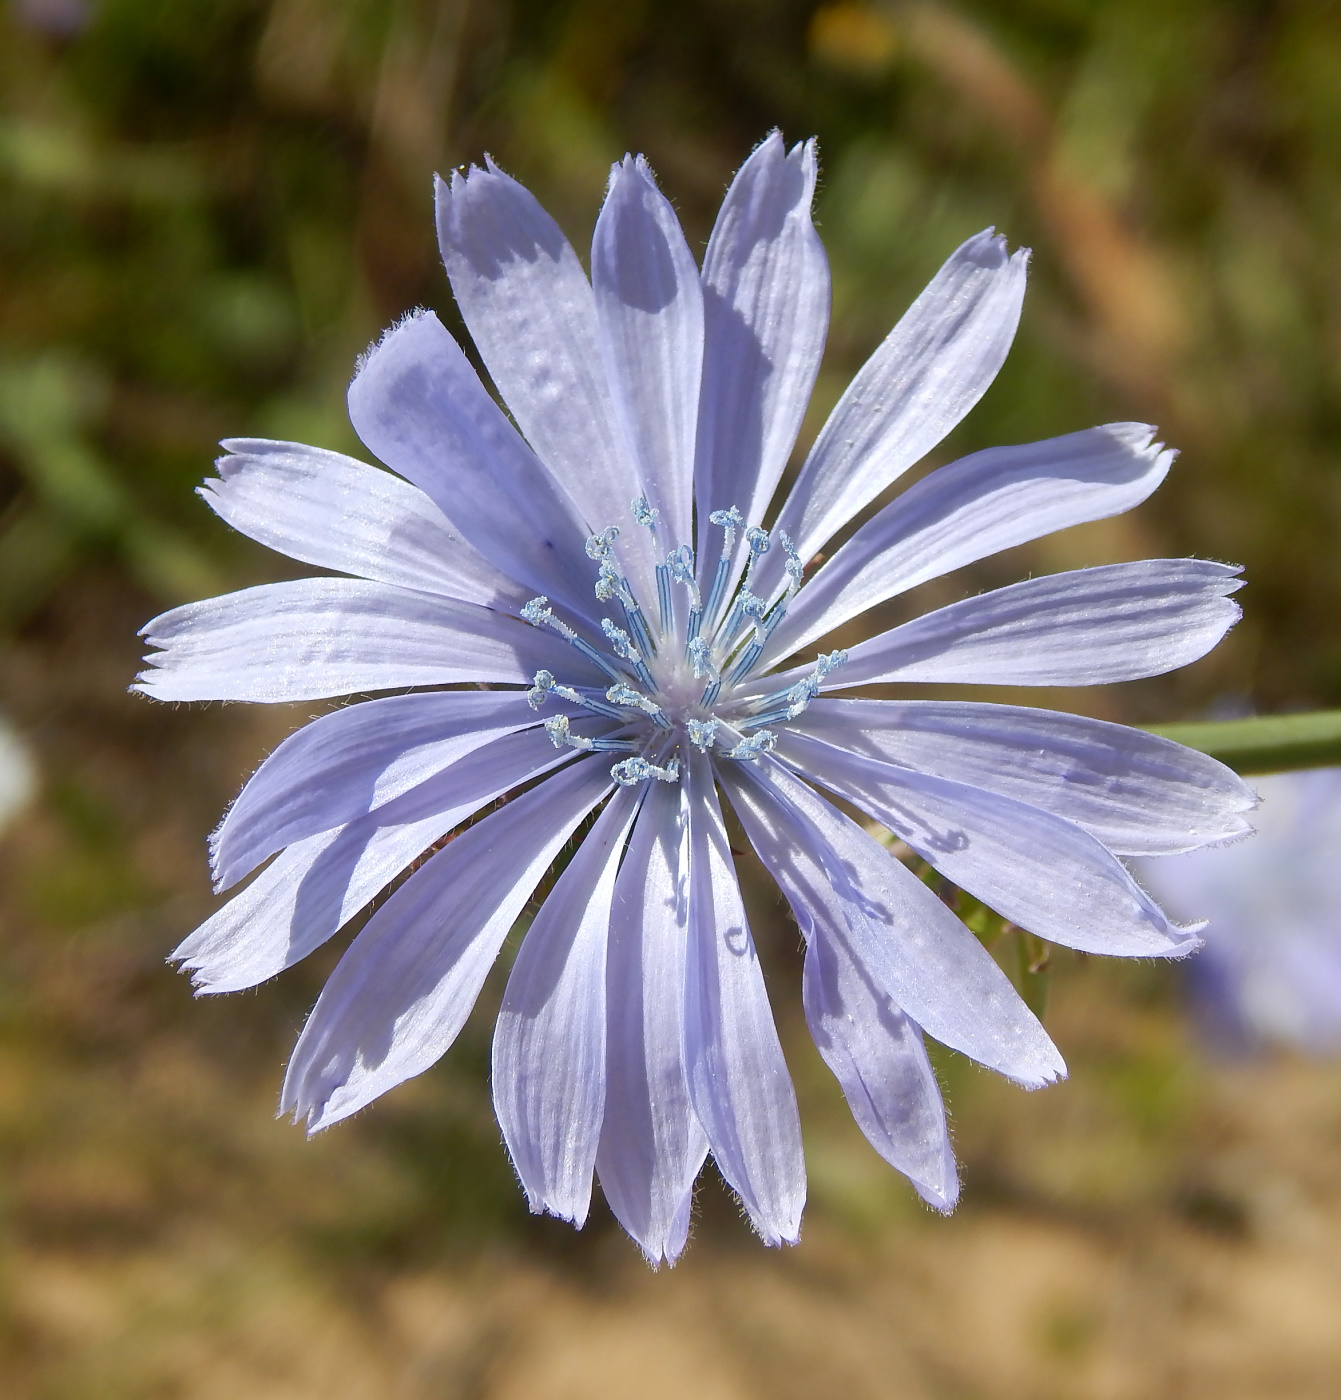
45, 405
61, 160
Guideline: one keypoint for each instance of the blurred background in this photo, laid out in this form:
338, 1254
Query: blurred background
207, 210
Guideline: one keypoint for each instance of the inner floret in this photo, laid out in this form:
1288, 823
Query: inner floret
674, 670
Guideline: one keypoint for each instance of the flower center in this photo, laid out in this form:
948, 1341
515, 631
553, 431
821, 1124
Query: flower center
674, 676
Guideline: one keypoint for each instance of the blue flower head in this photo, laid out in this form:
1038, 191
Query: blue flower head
1271, 968
588, 610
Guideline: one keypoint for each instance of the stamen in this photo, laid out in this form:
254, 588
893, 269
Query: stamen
759, 543
702, 732
561, 736
681, 564
740, 668
619, 639
710, 693
633, 615
624, 647
539, 614
764, 741
633, 771
747, 605
788, 704
599, 546
664, 597
730, 520
795, 569
545, 686
754, 607
718, 584
795, 573
795, 701
539, 691
625, 695
610, 583
700, 657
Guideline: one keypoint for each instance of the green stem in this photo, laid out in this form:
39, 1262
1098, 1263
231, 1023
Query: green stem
1265, 744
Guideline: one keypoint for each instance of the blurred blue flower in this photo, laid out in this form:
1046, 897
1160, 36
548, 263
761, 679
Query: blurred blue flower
598, 576
1271, 967
62, 19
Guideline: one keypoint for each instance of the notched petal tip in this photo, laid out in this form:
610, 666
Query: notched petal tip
1137, 437
769, 148
574, 1215
988, 249
629, 167
316, 1116
465, 180
1045, 1081
774, 148
670, 1249
201, 986
1044, 1072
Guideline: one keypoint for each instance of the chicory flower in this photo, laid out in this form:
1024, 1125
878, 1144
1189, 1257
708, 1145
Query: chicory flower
1271, 967
581, 611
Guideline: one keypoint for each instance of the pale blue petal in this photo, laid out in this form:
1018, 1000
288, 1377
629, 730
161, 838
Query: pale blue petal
1117, 622
332, 511
874, 1050
299, 901
306, 894
531, 313
400, 995
345, 764
318, 637
738, 1079
652, 1145
549, 1040
877, 1055
913, 947
1138, 793
930, 370
1039, 871
766, 310
973, 508
650, 325
419, 407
